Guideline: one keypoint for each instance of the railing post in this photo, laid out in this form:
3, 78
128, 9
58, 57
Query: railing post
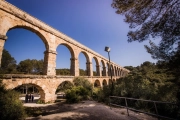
156, 109
126, 106
110, 102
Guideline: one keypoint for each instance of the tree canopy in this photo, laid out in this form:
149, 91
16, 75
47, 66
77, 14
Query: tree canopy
8, 63
152, 19
31, 66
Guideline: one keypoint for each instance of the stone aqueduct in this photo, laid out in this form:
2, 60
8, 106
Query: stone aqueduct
12, 17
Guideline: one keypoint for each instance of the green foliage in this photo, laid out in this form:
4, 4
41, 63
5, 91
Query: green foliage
82, 72
64, 71
64, 86
80, 81
156, 19
8, 63
11, 107
31, 66
81, 90
148, 81
76, 94
102, 95
40, 102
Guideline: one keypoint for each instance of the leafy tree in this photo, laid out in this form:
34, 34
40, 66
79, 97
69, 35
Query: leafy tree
64, 71
25, 66
37, 66
64, 86
11, 107
80, 91
8, 63
80, 81
31, 66
155, 19
152, 19
82, 72
76, 94
148, 81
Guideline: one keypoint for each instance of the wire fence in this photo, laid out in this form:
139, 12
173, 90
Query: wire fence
159, 109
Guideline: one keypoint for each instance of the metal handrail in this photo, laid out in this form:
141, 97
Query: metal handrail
133, 109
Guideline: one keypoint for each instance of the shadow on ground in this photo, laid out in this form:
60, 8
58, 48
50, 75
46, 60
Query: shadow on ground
87, 110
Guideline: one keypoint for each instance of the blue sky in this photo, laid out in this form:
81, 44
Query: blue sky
93, 23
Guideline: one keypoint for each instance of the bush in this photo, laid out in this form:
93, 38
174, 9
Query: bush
101, 95
80, 81
76, 94
71, 96
11, 107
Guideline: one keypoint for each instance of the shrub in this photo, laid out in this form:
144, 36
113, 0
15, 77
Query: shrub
76, 94
71, 96
101, 95
11, 107
80, 81
40, 102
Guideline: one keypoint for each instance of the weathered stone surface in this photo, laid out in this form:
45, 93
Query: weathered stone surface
48, 86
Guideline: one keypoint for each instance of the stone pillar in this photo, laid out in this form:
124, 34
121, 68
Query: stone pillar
115, 72
89, 69
121, 73
98, 70
74, 68
108, 72
112, 71
49, 62
104, 73
49, 98
2, 41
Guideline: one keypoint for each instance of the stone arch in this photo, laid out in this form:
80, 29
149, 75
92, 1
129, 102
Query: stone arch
86, 56
41, 36
110, 81
41, 88
88, 63
112, 70
97, 62
97, 83
103, 68
97, 66
102, 61
69, 48
108, 69
121, 72
26, 88
64, 84
104, 83
72, 57
118, 71
38, 33
115, 71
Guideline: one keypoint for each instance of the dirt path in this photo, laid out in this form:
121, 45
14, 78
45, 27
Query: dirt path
87, 110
